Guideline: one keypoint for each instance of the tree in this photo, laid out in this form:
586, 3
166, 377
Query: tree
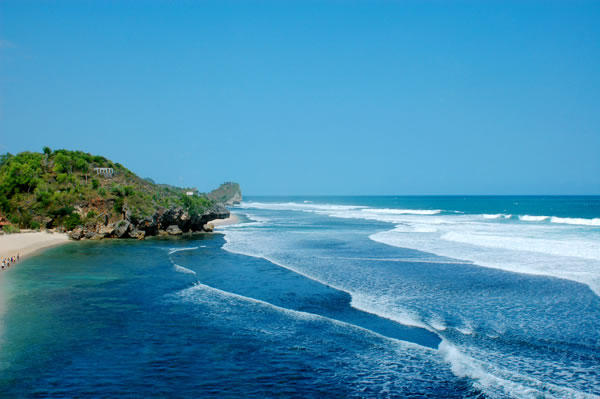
62, 163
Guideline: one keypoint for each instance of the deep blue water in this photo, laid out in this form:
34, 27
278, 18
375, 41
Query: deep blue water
319, 297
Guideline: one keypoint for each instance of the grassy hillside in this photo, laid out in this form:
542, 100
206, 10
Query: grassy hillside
61, 189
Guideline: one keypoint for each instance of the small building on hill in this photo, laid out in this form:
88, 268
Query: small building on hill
106, 172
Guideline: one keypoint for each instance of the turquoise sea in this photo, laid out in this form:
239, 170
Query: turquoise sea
322, 297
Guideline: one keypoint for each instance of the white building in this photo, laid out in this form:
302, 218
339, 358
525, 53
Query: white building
106, 172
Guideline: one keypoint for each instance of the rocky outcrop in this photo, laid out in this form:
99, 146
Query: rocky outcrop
228, 194
164, 222
107, 231
77, 233
137, 234
174, 230
121, 228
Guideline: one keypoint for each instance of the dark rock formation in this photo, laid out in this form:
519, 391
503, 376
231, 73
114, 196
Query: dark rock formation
174, 230
165, 221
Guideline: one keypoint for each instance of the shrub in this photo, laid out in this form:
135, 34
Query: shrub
43, 196
61, 177
116, 190
64, 211
25, 219
82, 165
118, 206
91, 214
95, 184
72, 221
102, 191
62, 163
9, 229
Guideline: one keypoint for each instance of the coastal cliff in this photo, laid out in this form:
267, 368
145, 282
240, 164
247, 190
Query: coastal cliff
92, 197
228, 193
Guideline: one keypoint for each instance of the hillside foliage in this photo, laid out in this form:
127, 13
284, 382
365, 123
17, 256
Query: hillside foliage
61, 189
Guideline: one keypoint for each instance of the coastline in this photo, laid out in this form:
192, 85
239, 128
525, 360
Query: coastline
28, 243
232, 219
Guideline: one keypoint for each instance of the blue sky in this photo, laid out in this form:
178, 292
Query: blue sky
313, 97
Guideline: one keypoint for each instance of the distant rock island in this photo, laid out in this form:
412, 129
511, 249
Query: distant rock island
92, 197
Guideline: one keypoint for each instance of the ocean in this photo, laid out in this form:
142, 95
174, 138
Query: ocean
320, 297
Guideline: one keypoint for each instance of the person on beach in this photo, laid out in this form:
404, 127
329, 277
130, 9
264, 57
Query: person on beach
6, 262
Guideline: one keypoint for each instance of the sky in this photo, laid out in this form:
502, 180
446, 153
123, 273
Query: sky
313, 97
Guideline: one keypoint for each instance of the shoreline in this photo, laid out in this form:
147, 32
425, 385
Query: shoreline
29, 243
232, 219
26, 244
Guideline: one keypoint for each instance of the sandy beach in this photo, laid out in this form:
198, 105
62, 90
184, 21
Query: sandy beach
28, 243
232, 219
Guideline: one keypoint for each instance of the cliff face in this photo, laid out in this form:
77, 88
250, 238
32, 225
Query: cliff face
164, 221
228, 193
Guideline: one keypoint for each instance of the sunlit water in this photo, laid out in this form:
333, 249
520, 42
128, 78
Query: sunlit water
319, 297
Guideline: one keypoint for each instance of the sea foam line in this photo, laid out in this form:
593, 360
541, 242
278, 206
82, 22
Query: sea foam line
394, 211
406, 319
358, 211
183, 269
576, 221
530, 218
561, 220
317, 208
497, 216
406, 260
186, 294
174, 250
463, 365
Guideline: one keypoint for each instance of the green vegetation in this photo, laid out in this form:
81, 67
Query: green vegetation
227, 192
9, 229
60, 189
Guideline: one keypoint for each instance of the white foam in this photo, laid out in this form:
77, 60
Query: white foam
188, 294
295, 206
566, 251
403, 211
562, 220
182, 269
543, 249
529, 218
500, 382
410, 260
581, 249
497, 216
358, 301
338, 210
465, 330
438, 324
571, 255
174, 250
533, 248
576, 221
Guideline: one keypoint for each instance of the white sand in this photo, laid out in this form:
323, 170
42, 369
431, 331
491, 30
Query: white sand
27, 243
232, 219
